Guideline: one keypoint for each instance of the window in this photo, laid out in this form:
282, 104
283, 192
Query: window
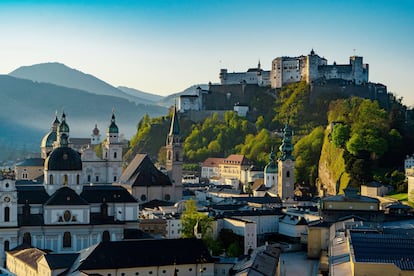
114, 178
65, 180
6, 245
67, 215
167, 197
97, 178
77, 179
89, 178
177, 156
143, 197
67, 240
105, 236
50, 179
6, 214
115, 155
288, 174
27, 238
169, 155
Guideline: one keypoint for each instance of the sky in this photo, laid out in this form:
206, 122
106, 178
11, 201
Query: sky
163, 47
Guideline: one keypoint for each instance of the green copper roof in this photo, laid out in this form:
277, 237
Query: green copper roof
271, 167
63, 127
113, 128
286, 148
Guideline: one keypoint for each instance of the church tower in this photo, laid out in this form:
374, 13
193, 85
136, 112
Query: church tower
286, 166
112, 153
96, 136
270, 172
46, 146
174, 161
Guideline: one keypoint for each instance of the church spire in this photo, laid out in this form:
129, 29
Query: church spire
286, 148
175, 126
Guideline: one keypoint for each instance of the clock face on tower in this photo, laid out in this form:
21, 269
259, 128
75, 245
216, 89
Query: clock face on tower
6, 199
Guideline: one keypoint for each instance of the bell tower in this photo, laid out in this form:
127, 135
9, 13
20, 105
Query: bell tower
174, 161
286, 166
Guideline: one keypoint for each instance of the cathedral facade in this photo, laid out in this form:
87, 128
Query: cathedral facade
76, 206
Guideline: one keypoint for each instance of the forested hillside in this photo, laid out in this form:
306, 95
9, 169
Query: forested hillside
365, 139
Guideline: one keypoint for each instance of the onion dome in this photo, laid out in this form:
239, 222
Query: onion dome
48, 139
113, 128
286, 148
63, 127
63, 159
271, 167
95, 131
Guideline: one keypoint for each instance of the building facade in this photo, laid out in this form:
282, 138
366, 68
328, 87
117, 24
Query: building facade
311, 67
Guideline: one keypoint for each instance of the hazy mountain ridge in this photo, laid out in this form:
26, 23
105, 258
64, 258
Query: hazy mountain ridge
62, 75
31, 106
141, 94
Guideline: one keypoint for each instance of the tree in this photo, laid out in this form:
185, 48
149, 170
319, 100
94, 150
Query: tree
191, 217
340, 135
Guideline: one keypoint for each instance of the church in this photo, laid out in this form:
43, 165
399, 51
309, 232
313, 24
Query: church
74, 204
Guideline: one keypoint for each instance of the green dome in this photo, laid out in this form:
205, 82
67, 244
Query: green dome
48, 139
113, 128
271, 168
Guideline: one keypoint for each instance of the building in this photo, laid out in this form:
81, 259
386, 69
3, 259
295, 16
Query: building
29, 169
210, 168
309, 68
253, 76
131, 257
336, 207
233, 166
271, 172
65, 213
375, 189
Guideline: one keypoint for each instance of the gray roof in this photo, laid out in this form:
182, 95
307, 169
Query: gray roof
384, 248
139, 253
66, 196
142, 172
31, 162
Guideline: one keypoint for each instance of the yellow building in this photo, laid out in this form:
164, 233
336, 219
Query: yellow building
232, 166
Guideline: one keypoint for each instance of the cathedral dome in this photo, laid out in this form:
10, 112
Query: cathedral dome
63, 127
48, 139
64, 159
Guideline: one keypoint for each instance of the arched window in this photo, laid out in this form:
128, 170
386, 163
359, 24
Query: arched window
89, 178
115, 155
288, 174
65, 180
105, 236
177, 156
114, 178
77, 179
67, 240
6, 214
6, 245
169, 155
50, 179
27, 239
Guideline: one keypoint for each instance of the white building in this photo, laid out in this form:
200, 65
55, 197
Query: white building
252, 76
308, 68
244, 228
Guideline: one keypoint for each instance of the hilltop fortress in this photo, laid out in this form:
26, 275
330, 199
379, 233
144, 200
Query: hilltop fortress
307, 68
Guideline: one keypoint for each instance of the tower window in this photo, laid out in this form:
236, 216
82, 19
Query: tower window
50, 179
288, 174
6, 245
77, 179
67, 240
65, 180
89, 178
6, 214
115, 155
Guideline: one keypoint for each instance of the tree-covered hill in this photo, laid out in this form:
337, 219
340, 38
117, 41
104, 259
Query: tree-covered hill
365, 139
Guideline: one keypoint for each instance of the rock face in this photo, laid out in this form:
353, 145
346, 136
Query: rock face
331, 170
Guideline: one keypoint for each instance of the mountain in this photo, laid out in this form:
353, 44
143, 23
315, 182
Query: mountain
60, 74
171, 99
138, 93
29, 108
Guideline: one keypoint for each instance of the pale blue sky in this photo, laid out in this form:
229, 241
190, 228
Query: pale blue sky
165, 46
